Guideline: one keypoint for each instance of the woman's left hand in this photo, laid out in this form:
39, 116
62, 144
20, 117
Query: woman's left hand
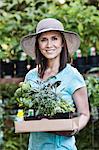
64, 133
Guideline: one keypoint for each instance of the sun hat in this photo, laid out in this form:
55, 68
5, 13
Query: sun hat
50, 24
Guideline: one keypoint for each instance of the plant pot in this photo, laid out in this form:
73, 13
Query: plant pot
80, 61
33, 64
67, 115
93, 61
21, 68
26, 118
1, 73
80, 64
8, 68
56, 116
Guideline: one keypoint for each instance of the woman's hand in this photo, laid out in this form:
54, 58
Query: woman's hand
64, 133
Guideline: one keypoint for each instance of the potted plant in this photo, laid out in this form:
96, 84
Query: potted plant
92, 83
21, 64
93, 58
8, 58
8, 68
44, 101
79, 61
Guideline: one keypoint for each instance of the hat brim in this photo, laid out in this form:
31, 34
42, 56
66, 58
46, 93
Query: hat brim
72, 40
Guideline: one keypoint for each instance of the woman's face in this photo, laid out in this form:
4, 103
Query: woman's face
50, 44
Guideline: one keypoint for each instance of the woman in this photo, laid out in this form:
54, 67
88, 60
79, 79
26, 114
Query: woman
52, 47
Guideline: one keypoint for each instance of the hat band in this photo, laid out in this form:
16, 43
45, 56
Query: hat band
49, 29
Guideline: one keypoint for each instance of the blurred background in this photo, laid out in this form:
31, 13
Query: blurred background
20, 17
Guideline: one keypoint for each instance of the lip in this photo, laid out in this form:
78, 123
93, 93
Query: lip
50, 50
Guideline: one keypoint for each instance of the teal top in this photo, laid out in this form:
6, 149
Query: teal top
71, 80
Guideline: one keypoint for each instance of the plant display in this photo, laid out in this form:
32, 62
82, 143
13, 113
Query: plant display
43, 99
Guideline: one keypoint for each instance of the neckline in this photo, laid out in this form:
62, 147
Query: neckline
55, 76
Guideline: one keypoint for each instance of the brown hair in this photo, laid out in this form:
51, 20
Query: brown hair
41, 61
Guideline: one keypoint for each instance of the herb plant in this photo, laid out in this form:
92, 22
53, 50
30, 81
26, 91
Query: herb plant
43, 99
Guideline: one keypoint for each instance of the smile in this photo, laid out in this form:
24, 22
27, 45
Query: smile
50, 50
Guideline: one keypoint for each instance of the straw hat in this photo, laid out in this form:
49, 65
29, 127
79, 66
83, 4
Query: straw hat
50, 24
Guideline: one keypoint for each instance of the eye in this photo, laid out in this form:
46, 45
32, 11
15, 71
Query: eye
43, 39
54, 38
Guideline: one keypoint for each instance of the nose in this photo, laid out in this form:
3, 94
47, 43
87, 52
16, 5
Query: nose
49, 43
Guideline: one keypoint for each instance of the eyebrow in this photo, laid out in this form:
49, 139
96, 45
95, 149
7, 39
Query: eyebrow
51, 36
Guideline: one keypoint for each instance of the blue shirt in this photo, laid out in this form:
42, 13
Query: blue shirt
71, 80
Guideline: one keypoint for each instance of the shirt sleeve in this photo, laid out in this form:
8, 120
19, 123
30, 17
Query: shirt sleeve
76, 82
26, 77
30, 76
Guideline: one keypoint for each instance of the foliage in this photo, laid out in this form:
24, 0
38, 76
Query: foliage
7, 90
7, 94
14, 141
43, 98
11, 141
2, 54
18, 18
91, 133
93, 90
1, 122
